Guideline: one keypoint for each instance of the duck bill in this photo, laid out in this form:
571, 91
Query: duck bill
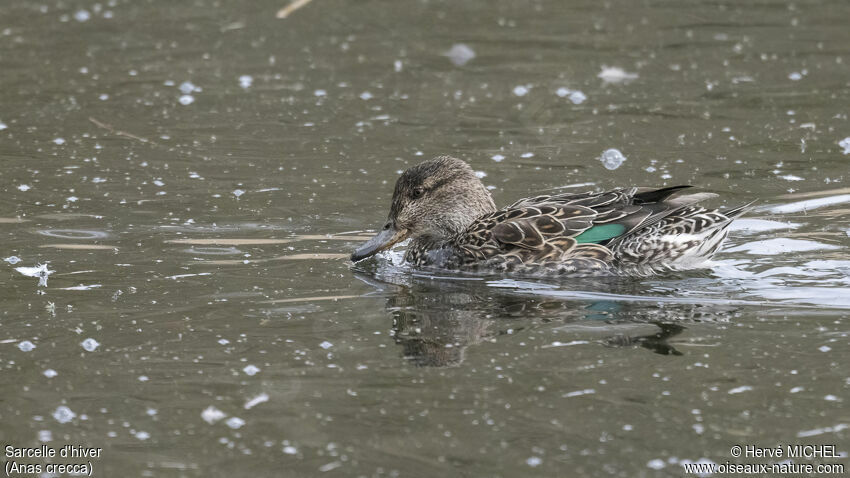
382, 241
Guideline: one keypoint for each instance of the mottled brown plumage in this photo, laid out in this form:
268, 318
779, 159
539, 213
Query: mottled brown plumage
452, 222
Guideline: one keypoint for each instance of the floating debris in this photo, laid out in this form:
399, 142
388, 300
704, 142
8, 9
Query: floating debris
845, 143
612, 159
614, 74
41, 271
90, 345
460, 54
295, 5
261, 398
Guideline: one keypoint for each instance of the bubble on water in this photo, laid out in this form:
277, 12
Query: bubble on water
188, 87
534, 461
82, 15
365, 96
90, 344
397, 66
845, 143
26, 346
45, 436
656, 464
245, 81
460, 54
158, 182
290, 450
63, 414
612, 158
223, 341
59, 141
825, 348
251, 370
795, 76
235, 423
142, 435
212, 415
615, 74
320, 93
520, 90
480, 174
238, 192
151, 411
326, 345
12, 259
497, 158
186, 100
577, 97
50, 373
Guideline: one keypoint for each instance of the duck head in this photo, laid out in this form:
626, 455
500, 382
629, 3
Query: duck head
432, 202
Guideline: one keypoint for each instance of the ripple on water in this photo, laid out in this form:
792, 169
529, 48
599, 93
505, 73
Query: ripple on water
213, 251
81, 234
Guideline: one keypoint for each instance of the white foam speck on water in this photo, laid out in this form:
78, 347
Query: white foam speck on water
24, 187
2, 126
615, 74
791, 177
41, 271
781, 245
253, 402
59, 141
825, 348
238, 192
565, 344
186, 100
245, 81
151, 411
290, 450
796, 390
845, 143
82, 287
188, 87
82, 15
212, 415
460, 54
26, 346
497, 158
141, 435
760, 225
741, 389
50, 373
143, 378
656, 464
520, 90
795, 76
365, 96
45, 436
63, 414
820, 431
72, 199
578, 393
526, 155
326, 345
831, 398
12, 260
808, 204
223, 341
235, 423
534, 461
159, 182
320, 93
612, 159
90, 344
480, 174
576, 96
251, 370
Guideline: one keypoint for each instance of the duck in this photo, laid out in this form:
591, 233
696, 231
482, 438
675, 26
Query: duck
449, 217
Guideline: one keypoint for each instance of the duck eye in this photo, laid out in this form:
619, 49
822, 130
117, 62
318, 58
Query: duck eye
417, 193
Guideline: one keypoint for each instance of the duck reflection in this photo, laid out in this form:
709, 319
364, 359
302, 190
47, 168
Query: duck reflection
435, 321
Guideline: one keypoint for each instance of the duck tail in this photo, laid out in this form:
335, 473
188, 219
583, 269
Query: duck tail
739, 211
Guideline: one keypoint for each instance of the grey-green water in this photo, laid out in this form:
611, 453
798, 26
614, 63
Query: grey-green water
230, 337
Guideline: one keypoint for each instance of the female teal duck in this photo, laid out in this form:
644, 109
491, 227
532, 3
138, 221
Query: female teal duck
453, 223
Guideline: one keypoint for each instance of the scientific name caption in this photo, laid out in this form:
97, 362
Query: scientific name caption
63, 460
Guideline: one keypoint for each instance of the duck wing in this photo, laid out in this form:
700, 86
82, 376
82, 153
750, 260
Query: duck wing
560, 229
